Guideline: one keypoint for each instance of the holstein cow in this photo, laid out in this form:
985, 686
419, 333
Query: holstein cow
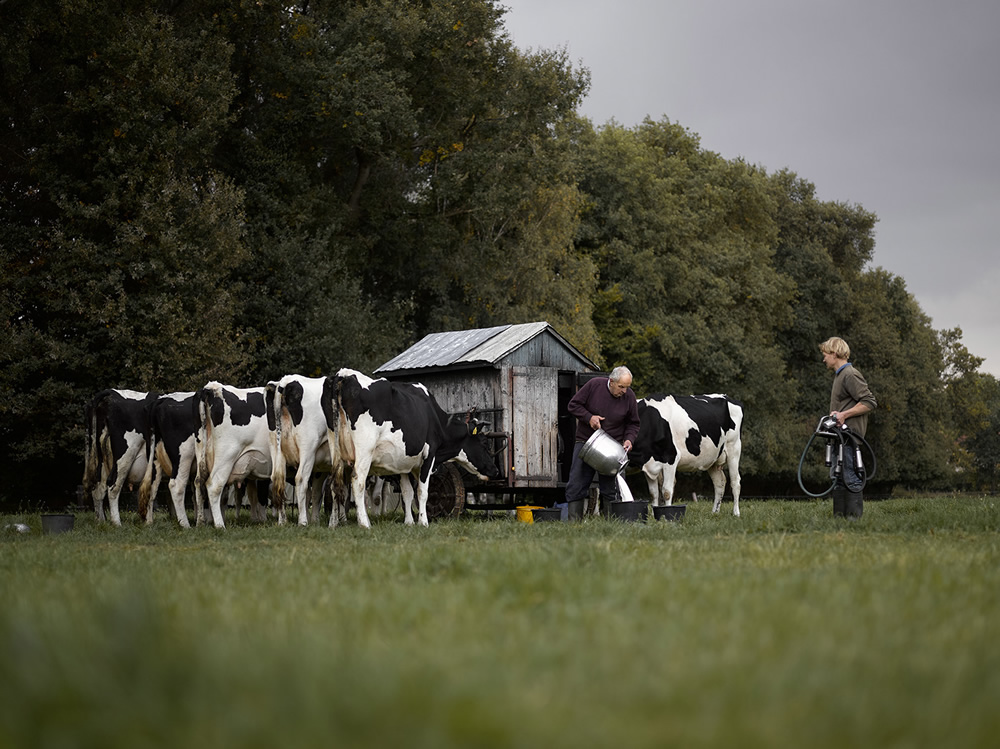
688, 433
175, 422
236, 442
117, 435
389, 428
301, 437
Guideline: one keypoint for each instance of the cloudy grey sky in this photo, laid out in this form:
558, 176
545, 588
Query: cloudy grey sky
890, 104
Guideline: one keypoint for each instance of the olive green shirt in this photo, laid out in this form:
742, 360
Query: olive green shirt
849, 389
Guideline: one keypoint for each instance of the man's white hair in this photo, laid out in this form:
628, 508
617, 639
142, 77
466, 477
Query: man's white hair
618, 372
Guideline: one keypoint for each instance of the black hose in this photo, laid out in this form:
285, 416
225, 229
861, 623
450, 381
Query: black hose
846, 437
801, 461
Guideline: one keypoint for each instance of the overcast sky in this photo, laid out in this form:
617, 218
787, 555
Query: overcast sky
890, 104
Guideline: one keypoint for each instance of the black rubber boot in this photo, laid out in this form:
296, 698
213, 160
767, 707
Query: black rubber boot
839, 502
855, 505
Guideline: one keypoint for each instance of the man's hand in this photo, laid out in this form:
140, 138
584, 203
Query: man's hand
595, 421
627, 445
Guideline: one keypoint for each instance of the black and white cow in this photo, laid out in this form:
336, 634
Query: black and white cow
688, 433
117, 436
390, 428
175, 422
236, 441
301, 436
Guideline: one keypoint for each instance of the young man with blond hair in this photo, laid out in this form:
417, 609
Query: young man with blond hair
850, 403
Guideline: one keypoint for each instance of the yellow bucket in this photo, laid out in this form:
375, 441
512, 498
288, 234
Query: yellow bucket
524, 513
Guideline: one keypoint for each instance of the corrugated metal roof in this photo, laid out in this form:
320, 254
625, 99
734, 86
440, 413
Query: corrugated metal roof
440, 349
498, 346
461, 347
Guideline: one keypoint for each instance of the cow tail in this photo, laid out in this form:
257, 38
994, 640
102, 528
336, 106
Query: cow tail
145, 488
204, 449
330, 404
278, 466
90, 461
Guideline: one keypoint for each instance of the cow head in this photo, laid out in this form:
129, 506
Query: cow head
474, 453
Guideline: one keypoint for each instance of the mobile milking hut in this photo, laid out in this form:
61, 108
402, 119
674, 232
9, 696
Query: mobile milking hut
519, 379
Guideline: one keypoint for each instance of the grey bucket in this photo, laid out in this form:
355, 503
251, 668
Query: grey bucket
57, 523
602, 453
673, 513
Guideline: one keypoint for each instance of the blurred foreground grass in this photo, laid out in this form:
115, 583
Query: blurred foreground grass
780, 628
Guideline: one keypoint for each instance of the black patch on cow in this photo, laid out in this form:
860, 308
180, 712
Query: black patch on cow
242, 411
174, 421
710, 414
654, 439
292, 399
269, 407
693, 442
216, 406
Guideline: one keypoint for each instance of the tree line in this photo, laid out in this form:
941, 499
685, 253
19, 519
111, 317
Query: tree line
238, 190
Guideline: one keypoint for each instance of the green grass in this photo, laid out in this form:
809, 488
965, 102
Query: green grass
781, 628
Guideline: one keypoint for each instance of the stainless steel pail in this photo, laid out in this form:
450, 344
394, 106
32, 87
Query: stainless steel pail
603, 453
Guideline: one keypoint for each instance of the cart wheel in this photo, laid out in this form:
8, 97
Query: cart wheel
445, 493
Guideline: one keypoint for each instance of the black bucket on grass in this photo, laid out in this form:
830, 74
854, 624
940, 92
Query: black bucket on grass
542, 514
630, 511
671, 513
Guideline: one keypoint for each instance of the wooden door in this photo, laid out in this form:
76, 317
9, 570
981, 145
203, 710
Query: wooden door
535, 425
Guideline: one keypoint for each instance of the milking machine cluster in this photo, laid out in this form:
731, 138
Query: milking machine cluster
839, 439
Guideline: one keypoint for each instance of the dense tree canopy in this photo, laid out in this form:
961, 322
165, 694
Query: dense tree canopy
237, 190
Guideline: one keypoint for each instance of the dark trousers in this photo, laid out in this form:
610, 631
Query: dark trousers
581, 476
848, 496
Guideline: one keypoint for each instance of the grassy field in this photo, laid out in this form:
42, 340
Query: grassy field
781, 628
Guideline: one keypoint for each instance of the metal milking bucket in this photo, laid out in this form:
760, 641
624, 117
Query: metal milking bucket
603, 453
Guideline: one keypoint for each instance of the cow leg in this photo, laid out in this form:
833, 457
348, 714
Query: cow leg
406, 489
358, 481
422, 485
719, 482
303, 476
214, 489
114, 492
177, 487
733, 458
316, 498
98, 494
377, 503
668, 479
653, 476
115, 515
157, 472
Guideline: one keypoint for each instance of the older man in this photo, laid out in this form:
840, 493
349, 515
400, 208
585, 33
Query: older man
606, 403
